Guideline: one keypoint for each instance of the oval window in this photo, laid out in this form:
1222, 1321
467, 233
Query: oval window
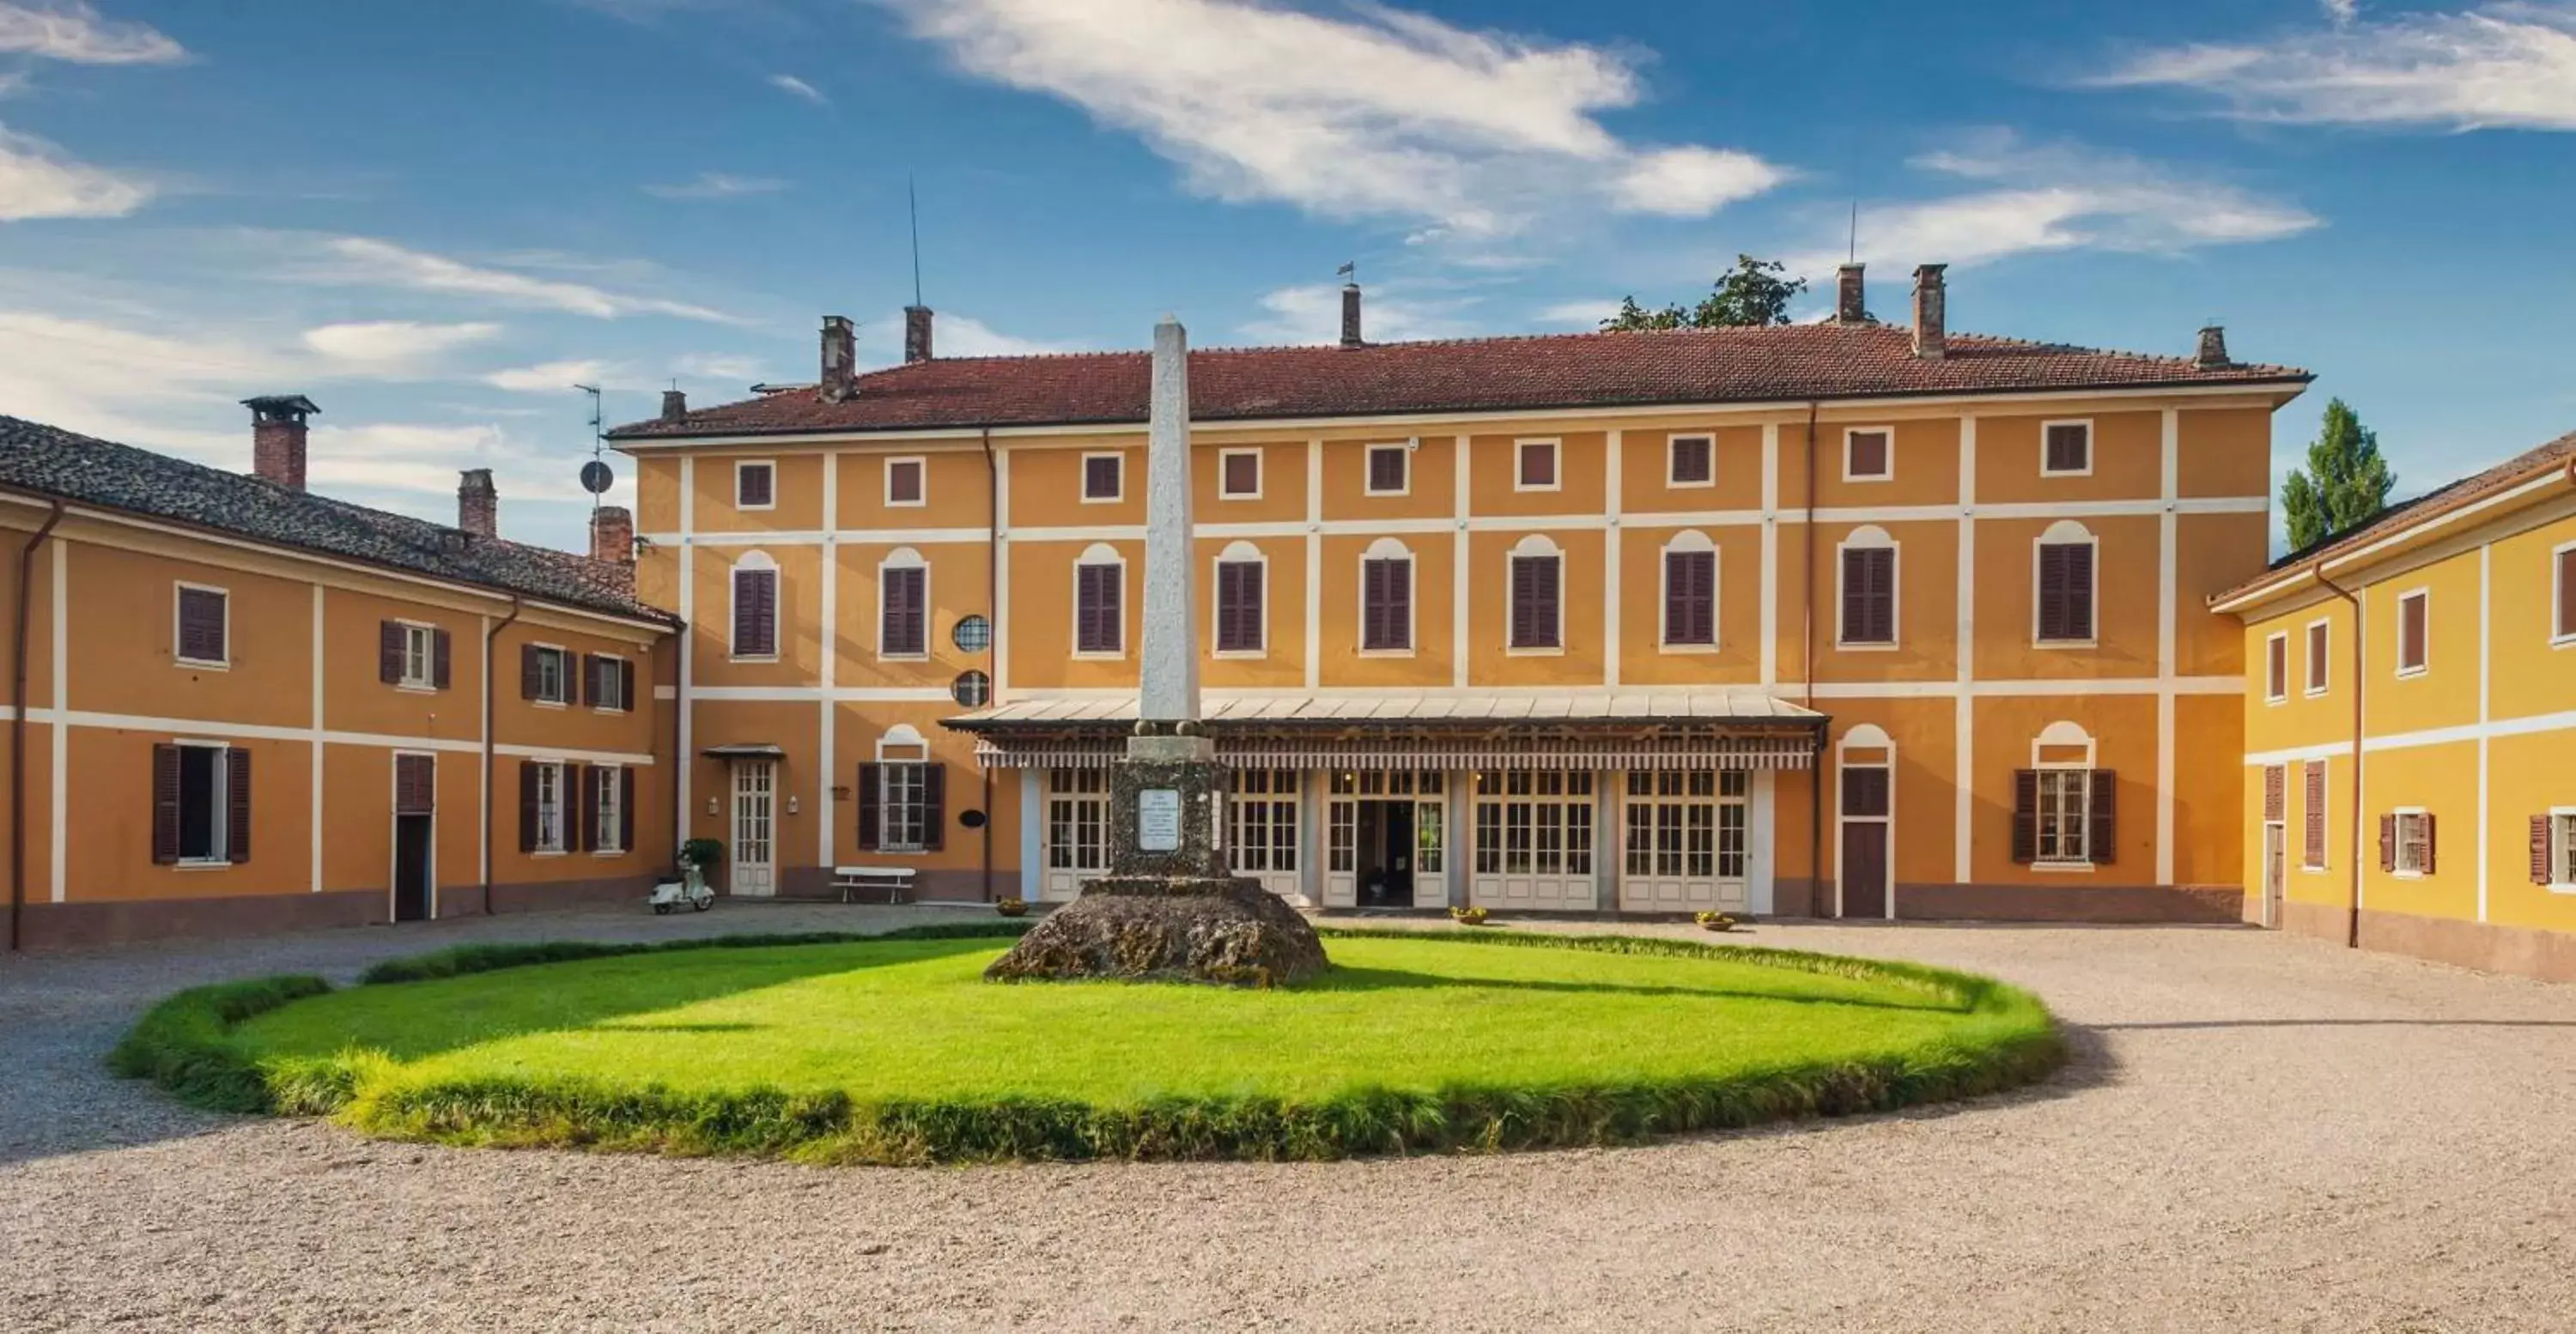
972, 689
974, 634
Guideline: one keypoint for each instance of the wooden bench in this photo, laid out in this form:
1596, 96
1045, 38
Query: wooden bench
896, 881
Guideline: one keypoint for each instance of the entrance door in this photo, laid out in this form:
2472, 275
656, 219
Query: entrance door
1077, 817
1386, 839
1688, 841
1533, 841
755, 784
1385, 854
2276, 840
415, 825
1865, 868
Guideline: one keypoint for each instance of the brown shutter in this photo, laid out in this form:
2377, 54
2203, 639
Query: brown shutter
2313, 815
755, 485
1373, 604
415, 784
2431, 841
1869, 596
1386, 469
165, 806
870, 785
585, 781
2025, 829
2276, 792
529, 680
587, 694
2540, 850
201, 625
2410, 632
755, 613
441, 651
2052, 592
2276, 667
1690, 597
2567, 592
237, 804
2078, 597
389, 651
527, 805
626, 810
934, 805
2102, 820
625, 683
906, 624
1534, 602
2388, 843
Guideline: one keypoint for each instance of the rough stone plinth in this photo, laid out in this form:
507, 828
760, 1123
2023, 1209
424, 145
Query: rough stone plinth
1162, 929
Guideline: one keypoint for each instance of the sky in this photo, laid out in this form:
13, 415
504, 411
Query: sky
435, 220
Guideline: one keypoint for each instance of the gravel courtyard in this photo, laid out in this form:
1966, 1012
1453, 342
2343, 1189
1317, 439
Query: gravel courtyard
2258, 1133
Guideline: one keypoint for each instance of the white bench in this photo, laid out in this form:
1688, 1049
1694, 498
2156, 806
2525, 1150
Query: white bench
896, 881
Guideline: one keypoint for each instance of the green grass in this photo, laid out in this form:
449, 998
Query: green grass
895, 1051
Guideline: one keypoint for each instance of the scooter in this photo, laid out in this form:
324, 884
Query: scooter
691, 889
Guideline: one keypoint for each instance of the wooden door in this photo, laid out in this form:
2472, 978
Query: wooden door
411, 868
1864, 868
2276, 840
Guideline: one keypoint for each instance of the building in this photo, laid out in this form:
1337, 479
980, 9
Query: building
1834, 618
2410, 689
235, 705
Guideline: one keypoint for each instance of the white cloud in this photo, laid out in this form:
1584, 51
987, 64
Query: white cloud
1578, 314
798, 88
952, 335
1313, 314
553, 377
393, 345
88, 375
718, 366
2507, 65
366, 261
38, 181
73, 31
1380, 113
2341, 11
717, 185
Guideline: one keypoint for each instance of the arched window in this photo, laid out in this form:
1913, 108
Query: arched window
1690, 591
2065, 811
1867, 567
2063, 573
1386, 597
1536, 569
1242, 599
903, 605
1099, 602
755, 606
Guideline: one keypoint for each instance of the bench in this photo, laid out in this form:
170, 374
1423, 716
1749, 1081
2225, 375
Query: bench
896, 881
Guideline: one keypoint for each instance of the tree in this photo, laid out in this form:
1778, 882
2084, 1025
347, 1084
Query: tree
1753, 292
2344, 484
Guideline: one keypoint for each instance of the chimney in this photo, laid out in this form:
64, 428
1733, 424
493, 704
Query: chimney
1351, 316
916, 334
612, 534
840, 377
1931, 313
478, 506
675, 405
1851, 295
277, 434
2212, 354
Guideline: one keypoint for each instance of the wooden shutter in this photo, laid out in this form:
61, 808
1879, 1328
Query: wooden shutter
389, 652
1865, 792
1869, 596
626, 810
1373, 603
2025, 829
527, 805
625, 683
755, 613
1242, 474
2430, 842
934, 805
1386, 469
1099, 623
2313, 815
2102, 820
585, 831
902, 628
2066, 591
1535, 617
441, 652
2567, 592
2388, 843
530, 680
1690, 460
588, 693
415, 784
236, 804
201, 625
165, 805
1238, 606
2276, 667
755, 484
2540, 850
2410, 632
871, 784
1690, 597
2276, 792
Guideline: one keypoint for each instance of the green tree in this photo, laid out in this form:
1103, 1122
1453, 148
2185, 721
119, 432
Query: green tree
2344, 484
1753, 292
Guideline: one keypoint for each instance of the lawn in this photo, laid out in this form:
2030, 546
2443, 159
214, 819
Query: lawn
897, 1050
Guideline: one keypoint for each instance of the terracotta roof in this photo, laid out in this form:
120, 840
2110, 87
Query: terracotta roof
48, 461
2558, 455
1687, 366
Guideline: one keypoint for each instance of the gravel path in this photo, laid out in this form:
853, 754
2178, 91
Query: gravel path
2259, 1133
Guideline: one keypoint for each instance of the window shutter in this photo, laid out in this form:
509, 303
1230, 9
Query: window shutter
585, 832
2102, 820
626, 685
389, 651
900, 631
165, 807
237, 804
934, 806
870, 784
1373, 595
2567, 592
1690, 597
626, 810
2025, 830
2540, 867
755, 613
2388, 843
529, 681
2078, 598
527, 805
587, 694
441, 652
201, 625
1869, 596
2052, 592
2276, 792
2314, 814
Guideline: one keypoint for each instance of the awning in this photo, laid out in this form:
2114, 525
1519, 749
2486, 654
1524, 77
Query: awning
766, 750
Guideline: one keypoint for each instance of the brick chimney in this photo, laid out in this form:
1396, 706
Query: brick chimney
2212, 353
1351, 316
675, 405
478, 506
840, 378
277, 436
916, 334
612, 534
1931, 313
1851, 295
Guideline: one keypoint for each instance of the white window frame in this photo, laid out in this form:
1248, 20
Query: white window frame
1555, 448
1871, 537
568, 690
1082, 481
2401, 846
608, 836
1098, 553
2082, 777
2276, 647
180, 587
557, 775
2067, 533
753, 560
739, 465
2425, 667
426, 637
1368, 469
1533, 547
2562, 849
219, 792
1672, 453
903, 558
1260, 473
1887, 476
1686, 541
2562, 636
623, 704
912, 776
2318, 641
1388, 548
921, 465
2090, 440
1238, 552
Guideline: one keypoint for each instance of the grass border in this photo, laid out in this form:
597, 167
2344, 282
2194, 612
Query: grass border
184, 1044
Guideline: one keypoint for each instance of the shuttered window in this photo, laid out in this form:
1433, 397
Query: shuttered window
545, 674
1104, 476
2276, 792
2553, 849
2276, 668
2066, 817
607, 682
903, 629
1692, 461
2414, 617
903, 482
1869, 595
546, 817
1537, 469
608, 808
2320, 636
2406, 843
1386, 604
755, 485
903, 807
201, 625
200, 804
1865, 456
2312, 814
2066, 592
2566, 627
755, 613
1239, 474
2068, 448
1239, 624
1536, 616
1690, 598
415, 784
1099, 621
415, 656
1387, 468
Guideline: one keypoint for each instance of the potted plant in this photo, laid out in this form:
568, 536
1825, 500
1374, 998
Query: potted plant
1468, 916
1012, 907
1714, 921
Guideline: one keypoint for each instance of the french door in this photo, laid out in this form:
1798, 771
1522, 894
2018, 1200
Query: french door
1386, 839
755, 788
1261, 830
1688, 843
1077, 820
1534, 840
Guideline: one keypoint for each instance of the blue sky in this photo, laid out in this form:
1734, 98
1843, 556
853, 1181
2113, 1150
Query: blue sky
433, 219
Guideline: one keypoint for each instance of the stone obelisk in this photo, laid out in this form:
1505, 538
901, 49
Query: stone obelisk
1170, 909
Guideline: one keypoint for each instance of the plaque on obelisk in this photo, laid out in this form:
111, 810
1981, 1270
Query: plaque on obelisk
1170, 908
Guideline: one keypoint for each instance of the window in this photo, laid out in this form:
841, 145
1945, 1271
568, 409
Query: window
2414, 612
1077, 812
2553, 849
1390, 469
973, 633
902, 806
415, 657
1690, 592
200, 804
972, 689
2064, 801
1687, 823
2066, 449
1386, 598
1869, 589
2406, 842
1537, 611
543, 826
1536, 467
203, 626
755, 486
545, 674
903, 483
2313, 818
755, 607
609, 807
1239, 474
903, 606
1099, 620
1104, 478
2065, 816
1262, 820
2319, 637
2565, 561
1691, 460
1240, 574
1533, 822
2276, 668
1868, 455
607, 682
2066, 585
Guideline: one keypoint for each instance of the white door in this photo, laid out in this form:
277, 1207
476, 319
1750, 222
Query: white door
1431, 853
1687, 846
1261, 830
755, 784
1077, 816
1534, 841
2275, 861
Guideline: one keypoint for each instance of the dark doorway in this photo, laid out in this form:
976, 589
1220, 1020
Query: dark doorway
1865, 868
411, 868
1386, 854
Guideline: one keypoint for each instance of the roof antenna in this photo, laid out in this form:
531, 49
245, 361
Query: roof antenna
1852, 256
912, 202
595, 475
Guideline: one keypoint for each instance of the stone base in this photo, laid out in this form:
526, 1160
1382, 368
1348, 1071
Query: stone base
1168, 929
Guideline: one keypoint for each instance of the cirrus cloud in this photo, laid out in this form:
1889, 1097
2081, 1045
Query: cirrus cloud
367, 261
76, 33
38, 180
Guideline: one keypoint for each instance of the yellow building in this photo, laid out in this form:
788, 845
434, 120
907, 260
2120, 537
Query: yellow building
1835, 618
2411, 698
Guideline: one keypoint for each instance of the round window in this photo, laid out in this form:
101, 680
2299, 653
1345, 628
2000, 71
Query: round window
974, 634
972, 689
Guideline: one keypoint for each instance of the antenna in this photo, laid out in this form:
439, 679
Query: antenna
912, 202
1852, 256
595, 476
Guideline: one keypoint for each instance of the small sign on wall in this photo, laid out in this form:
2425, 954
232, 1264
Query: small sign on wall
1158, 819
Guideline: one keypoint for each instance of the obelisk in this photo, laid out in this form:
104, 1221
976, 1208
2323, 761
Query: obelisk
1170, 909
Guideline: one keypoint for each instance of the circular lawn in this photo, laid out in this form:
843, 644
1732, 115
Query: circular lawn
895, 1050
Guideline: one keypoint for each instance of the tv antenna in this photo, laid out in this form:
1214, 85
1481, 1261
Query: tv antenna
912, 205
1852, 256
596, 476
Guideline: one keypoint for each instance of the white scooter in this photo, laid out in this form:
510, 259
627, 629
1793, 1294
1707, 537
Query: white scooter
691, 889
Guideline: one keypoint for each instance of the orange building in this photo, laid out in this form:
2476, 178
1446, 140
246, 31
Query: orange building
236, 705
1835, 618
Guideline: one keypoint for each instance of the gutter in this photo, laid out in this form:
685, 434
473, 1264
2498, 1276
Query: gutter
490, 737
1807, 697
18, 733
2360, 643
993, 601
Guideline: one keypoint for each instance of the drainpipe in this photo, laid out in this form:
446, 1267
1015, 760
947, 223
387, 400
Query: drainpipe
2352, 925
1807, 658
18, 731
992, 601
489, 719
